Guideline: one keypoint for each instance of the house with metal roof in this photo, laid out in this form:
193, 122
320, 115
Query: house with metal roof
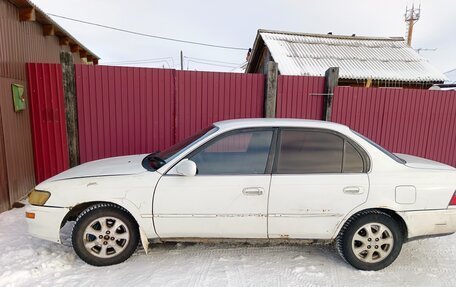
362, 61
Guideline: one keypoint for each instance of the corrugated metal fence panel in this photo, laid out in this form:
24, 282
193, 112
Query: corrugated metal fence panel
123, 110
441, 127
4, 193
361, 109
417, 122
206, 97
300, 97
47, 111
17, 142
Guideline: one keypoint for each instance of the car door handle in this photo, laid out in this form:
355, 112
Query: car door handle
253, 191
353, 190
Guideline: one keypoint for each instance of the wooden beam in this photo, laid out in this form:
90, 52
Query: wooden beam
82, 53
64, 41
95, 61
89, 58
71, 111
74, 48
48, 30
270, 100
331, 82
27, 14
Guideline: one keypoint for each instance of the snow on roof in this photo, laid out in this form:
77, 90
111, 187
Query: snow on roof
357, 57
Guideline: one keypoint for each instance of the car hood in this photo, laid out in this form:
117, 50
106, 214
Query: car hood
419, 162
122, 165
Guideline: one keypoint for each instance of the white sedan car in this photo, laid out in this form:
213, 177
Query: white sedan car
251, 179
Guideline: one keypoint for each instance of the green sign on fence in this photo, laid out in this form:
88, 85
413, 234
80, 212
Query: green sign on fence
18, 97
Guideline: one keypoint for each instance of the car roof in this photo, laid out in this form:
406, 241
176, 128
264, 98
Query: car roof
270, 122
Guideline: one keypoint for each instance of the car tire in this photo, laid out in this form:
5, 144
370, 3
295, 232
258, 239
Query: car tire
105, 234
370, 240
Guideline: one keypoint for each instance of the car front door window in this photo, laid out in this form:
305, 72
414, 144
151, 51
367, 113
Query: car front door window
243, 153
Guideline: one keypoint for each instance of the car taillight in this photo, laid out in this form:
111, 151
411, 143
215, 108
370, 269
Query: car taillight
453, 199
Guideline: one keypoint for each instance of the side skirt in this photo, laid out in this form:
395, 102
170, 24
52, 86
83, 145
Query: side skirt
253, 241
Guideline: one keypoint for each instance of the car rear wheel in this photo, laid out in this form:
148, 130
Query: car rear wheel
105, 234
370, 240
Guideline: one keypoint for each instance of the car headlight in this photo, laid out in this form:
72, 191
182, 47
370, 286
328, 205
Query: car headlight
38, 197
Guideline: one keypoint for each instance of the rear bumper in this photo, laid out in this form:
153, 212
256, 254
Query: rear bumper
430, 222
47, 221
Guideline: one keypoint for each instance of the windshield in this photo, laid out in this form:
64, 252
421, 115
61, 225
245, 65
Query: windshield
157, 159
382, 149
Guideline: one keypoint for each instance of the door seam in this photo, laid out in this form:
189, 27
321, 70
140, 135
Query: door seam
267, 207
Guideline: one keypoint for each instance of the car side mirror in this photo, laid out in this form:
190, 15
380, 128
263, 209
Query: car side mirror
186, 168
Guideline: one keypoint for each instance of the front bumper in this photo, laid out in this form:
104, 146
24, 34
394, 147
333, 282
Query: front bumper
47, 222
430, 222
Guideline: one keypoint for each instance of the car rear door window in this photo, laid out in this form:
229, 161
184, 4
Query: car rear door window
314, 151
243, 152
353, 161
309, 152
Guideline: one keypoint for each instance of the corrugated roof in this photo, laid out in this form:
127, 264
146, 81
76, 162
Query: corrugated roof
357, 57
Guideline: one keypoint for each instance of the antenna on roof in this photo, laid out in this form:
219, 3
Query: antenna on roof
426, 49
411, 17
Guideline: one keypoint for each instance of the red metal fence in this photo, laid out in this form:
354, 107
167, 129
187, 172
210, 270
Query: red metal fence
47, 113
417, 122
123, 110
138, 110
206, 97
300, 97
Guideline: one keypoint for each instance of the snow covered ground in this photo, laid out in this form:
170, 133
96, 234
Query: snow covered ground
26, 261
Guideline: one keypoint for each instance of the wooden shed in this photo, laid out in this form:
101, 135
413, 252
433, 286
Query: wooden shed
362, 61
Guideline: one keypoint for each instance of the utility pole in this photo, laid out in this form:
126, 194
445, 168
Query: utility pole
411, 17
182, 60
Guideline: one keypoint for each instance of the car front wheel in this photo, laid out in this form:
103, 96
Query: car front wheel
105, 234
370, 240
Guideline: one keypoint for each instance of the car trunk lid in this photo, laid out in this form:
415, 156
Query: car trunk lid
418, 162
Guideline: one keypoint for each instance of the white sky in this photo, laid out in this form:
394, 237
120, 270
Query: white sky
235, 23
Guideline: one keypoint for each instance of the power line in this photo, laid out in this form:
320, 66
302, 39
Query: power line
243, 65
142, 63
211, 64
140, 60
214, 61
149, 35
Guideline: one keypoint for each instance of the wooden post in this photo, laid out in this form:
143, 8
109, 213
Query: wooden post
71, 111
270, 100
332, 78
